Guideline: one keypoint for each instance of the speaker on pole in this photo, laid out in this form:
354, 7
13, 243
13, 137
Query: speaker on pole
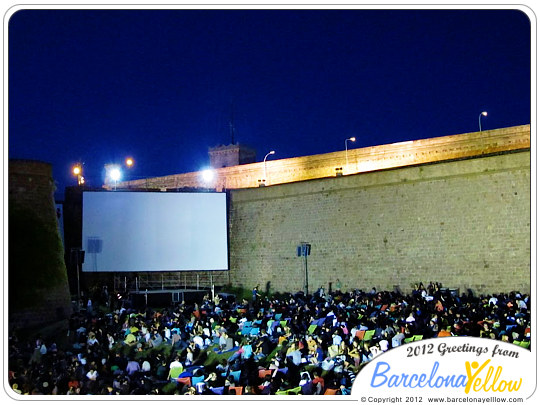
304, 250
81, 256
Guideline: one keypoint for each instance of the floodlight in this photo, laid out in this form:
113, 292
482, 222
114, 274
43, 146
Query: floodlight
208, 175
115, 174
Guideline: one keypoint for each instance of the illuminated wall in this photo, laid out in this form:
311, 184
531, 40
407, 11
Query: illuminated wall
453, 209
360, 160
463, 223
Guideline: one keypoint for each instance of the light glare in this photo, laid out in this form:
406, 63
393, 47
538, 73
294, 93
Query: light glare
115, 174
208, 175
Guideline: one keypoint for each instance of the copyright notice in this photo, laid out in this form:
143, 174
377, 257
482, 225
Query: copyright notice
396, 399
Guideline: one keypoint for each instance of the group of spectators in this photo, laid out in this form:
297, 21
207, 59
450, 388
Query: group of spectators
279, 344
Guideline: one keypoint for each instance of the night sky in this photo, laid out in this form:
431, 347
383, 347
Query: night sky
162, 86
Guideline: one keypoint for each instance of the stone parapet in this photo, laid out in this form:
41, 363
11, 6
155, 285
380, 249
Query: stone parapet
360, 160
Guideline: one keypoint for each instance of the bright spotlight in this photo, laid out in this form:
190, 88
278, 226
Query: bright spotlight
129, 162
208, 175
112, 173
115, 174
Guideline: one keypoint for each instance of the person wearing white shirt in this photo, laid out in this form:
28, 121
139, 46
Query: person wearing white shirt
92, 374
336, 339
327, 364
110, 339
146, 366
198, 340
167, 334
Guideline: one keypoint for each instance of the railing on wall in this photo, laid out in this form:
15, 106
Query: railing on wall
199, 280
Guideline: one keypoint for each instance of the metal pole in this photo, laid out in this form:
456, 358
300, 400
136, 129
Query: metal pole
346, 156
212, 284
78, 281
306, 269
484, 113
264, 161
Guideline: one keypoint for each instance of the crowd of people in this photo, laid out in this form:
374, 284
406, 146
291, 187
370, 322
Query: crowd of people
281, 344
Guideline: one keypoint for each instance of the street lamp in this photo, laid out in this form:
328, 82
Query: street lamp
129, 162
113, 173
264, 162
346, 151
484, 113
77, 171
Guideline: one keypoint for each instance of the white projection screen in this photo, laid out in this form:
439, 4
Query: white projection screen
154, 231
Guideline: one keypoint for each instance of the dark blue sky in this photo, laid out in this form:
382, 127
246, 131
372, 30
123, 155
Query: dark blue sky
98, 86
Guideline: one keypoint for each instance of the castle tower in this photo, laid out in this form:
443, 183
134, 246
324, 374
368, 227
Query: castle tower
38, 285
231, 155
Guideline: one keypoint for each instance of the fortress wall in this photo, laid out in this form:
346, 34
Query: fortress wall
360, 160
464, 223
37, 278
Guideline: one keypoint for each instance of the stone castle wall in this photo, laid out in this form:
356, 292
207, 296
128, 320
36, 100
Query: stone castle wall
452, 209
38, 288
361, 160
463, 223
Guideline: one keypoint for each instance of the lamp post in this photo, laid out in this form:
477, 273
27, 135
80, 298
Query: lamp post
77, 171
113, 173
264, 162
346, 152
484, 113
